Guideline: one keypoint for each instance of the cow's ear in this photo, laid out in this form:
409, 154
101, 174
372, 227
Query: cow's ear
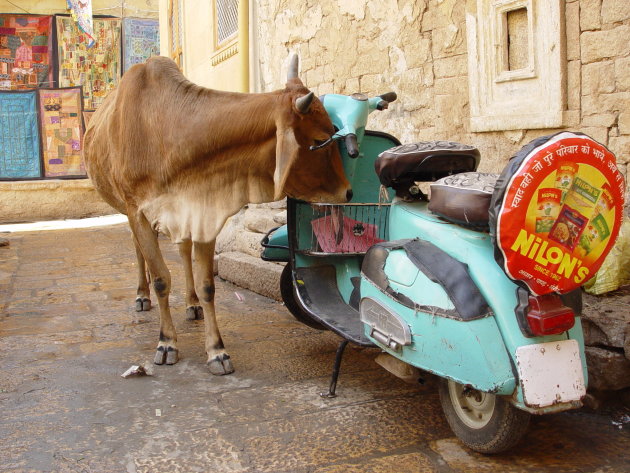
286, 152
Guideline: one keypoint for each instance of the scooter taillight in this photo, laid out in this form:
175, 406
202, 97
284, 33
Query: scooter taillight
547, 315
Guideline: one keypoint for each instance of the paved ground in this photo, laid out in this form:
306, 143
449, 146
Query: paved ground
68, 330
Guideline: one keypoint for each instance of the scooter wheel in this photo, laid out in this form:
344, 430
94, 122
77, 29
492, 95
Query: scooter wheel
288, 296
484, 422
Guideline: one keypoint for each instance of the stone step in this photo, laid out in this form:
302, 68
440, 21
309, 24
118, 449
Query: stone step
262, 277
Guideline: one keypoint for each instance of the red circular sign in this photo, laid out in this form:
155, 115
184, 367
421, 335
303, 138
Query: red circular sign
560, 213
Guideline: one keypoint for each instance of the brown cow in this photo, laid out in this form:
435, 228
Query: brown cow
180, 159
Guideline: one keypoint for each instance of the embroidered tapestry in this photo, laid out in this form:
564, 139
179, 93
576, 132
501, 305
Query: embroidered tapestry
19, 135
141, 40
25, 51
82, 14
97, 68
62, 132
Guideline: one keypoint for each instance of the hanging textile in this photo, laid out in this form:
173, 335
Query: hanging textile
25, 51
98, 68
62, 132
82, 14
19, 135
141, 40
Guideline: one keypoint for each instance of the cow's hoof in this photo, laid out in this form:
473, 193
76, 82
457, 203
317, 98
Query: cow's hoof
220, 365
143, 304
194, 312
168, 355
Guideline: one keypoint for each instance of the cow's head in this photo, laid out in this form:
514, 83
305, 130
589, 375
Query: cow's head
311, 175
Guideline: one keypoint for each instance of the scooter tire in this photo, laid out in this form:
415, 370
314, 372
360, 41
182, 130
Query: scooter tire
288, 296
502, 428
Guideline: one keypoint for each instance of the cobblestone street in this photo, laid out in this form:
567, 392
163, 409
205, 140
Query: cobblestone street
68, 330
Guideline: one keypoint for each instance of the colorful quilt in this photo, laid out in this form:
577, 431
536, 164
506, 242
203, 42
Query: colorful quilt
19, 135
141, 40
25, 51
62, 132
82, 14
97, 68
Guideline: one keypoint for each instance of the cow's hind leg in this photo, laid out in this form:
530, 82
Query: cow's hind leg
143, 301
193, 310
203, 257
161, 279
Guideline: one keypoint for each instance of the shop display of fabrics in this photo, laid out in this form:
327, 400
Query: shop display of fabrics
98, 68
19, 135
141, 40
62, 132
25, 51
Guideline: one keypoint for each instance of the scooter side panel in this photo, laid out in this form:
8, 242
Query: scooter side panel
476, 250
468, 352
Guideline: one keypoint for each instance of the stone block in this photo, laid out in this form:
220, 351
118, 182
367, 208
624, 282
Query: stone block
280, 218
262, 277
373, 84
615, 102
590, 18
259, 220
623, 122
607, 370
622, 74
451, 86
248, 243
599, 119
598, 78
596, 45
449, 40
572, 22
620, 145
615, 11
597, 133
417, 47
574, 86
452, 66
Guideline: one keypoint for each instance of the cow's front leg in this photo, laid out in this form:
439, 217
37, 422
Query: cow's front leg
161, 279
193, 309
219, 362
143, 301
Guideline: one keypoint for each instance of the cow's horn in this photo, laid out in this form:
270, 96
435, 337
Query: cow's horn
293, 67
303, 103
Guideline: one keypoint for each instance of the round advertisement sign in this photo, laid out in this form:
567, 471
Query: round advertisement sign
556, 212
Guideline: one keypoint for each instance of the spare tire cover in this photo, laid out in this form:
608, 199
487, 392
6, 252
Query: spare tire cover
556, 212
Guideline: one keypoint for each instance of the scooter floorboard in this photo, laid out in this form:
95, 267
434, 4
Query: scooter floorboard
318, 292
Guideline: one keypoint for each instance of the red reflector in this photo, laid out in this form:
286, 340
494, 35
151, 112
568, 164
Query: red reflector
547, 315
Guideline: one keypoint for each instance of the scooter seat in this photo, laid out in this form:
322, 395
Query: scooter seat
464, 198
424, 161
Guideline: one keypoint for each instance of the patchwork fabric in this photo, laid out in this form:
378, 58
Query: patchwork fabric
25, 51
19, 135
97, 68
82, 14
62, 132
141, 40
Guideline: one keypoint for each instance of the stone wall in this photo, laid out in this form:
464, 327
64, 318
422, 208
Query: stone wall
418, 49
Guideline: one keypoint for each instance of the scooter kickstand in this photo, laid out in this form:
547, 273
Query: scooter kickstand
335, 374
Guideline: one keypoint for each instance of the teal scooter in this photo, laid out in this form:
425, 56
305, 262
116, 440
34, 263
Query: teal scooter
426, 281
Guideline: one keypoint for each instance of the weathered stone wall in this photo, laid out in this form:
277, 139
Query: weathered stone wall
418, 49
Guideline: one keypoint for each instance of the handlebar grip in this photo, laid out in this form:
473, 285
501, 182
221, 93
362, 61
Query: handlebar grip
351, 145
389, 96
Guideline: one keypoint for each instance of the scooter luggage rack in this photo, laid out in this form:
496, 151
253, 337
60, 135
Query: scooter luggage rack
348, 229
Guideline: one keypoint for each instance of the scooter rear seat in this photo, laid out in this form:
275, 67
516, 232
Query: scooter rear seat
464, 198
424, 161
